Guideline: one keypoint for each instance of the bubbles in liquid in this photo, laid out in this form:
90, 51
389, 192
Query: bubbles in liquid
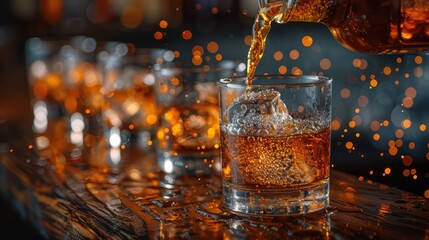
266, 146
260, 113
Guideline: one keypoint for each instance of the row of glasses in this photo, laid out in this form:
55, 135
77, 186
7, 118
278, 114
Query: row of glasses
130, 116
64, 82
114, 102
188, 137
94, 100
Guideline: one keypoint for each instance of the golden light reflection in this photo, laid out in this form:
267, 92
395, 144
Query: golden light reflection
278, 55
406, 172
357, 120
407, 161
399, 60
349, 145
418, 60
384, 209
212, 47
163, 24
406, 124
345, 93
134, 174
187, 35
307, 41
335, 124
373, 83
294, 54
197, 60
158, 35
407, 102
356, 62
387, 171
411, 92
151, 119
360, 63
376, 136
418, 72
325, 64
393, 150
385, 123
198, 50
375, 125
248, 40
282, 69
398, 143
387, 70
363, 101
176, 54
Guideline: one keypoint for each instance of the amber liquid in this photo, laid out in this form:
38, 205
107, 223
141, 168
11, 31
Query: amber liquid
189, 130
134, 106
82, 94
384, 26
285, 161
264, 162
372, 26
261, 28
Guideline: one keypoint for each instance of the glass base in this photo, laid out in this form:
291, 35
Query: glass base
277, 203
189, 164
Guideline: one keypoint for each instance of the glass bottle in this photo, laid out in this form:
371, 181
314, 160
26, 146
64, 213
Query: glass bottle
371, 26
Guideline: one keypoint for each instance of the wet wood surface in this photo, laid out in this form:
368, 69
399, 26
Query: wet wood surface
133, 200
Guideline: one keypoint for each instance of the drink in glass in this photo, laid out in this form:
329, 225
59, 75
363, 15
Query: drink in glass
275, 138
129, 113
188, 135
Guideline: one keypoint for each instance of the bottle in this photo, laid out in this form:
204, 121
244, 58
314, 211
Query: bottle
369, 26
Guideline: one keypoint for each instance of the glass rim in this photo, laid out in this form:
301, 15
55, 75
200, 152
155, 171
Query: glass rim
222, 66
144, 57
261, 81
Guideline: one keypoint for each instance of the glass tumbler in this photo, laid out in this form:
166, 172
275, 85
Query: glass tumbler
188, 133
64, 83
129, 113
275, 138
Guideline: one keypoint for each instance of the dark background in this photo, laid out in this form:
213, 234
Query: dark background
368, 110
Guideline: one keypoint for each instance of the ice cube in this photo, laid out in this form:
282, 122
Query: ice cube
257, 113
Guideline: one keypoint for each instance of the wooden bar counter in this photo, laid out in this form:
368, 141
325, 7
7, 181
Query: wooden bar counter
134, 200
